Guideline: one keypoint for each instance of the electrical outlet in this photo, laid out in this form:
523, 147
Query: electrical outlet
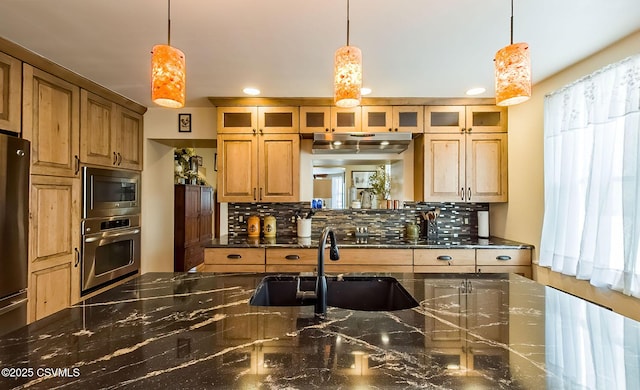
240, 219
466, 221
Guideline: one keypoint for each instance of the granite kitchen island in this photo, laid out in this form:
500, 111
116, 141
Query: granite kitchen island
196, 331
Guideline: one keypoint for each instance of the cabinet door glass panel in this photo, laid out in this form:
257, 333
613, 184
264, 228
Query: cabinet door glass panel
316, 119
345, 119
445, 119
237, 119
486, 119
278, 119
408, 119
376, 119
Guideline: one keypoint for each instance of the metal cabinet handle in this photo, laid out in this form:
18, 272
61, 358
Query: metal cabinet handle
77, 161
215, 162
469, 286
254, 193
462, 192
12, 306
119, 159
469, 193
444, 257
463, 287
462, 130
260, 193
234, 256
292, 257
115, 158
75, 265
469, 130
503, 257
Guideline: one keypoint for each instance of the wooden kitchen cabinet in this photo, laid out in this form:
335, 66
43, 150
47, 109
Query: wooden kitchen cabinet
259, 167
446, 260
192, 225
292, 259
392, 119
371, 260
321, 119
504, 260
54, 245
263, 120
234, 260
461, 167
50, 120
110, 135
10, 93
465, 119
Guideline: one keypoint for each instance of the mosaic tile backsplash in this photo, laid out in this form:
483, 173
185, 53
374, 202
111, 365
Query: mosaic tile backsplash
455, 219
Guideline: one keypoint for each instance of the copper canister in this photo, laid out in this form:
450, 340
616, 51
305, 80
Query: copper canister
253, 226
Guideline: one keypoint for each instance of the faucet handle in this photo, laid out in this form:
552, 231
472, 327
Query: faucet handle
334, 254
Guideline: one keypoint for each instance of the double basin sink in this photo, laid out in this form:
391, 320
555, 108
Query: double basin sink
366, 293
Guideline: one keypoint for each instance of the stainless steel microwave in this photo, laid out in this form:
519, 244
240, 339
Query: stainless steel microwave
110, 192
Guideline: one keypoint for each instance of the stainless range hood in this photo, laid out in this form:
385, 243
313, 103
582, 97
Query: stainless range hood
344, 143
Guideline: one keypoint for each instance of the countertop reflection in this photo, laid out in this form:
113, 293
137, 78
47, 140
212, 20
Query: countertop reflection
194, 331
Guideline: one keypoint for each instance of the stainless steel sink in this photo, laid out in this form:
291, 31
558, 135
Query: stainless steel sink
366, 293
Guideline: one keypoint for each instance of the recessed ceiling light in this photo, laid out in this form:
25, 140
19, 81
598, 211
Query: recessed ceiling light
365, 91
475, 91
251, 91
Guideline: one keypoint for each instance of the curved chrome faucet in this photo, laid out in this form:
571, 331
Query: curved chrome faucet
321, 280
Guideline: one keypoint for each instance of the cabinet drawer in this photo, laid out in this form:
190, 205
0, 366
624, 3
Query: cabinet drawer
373, 257
291, 256
506, 257
235, 256
445, 256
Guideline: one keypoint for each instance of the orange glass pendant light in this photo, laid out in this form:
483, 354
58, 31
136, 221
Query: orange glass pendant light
168, 73
347, 74
513, 72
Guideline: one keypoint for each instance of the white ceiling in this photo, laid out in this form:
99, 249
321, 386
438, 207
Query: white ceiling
411, 48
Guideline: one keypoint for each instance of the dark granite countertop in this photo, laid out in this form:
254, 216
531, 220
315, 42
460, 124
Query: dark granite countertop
197, 331
367, 242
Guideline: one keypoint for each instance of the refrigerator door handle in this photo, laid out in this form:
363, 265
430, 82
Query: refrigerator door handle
12, 306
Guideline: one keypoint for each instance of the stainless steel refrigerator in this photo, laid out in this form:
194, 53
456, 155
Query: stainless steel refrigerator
14, 228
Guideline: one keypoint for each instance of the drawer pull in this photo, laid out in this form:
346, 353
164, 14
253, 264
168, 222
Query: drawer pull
234, 256
503, 257
292, 257
446, 258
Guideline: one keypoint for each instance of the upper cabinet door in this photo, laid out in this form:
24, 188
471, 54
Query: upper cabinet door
51, 122
237, 168
444, 119
278, 120
408, 119
444, 168
279, 159
346, 120
486, 119
237, 120
10, 93
486, 168
128, 139
315, 119
377, 119
97, 128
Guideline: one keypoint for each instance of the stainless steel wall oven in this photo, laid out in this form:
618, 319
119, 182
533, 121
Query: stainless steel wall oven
110, 226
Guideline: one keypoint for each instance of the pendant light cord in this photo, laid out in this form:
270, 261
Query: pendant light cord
348, 22
512, 22
169, 23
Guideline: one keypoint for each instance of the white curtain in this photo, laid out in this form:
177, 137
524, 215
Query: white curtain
591, 226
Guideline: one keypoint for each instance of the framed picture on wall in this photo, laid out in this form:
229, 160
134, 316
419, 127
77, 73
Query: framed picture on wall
184, 123
361, 178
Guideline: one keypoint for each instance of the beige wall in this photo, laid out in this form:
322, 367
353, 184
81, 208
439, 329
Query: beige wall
521, 218
161, 136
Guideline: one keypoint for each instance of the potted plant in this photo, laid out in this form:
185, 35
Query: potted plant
380, 183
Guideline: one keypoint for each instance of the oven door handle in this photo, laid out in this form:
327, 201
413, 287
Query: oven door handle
110, 235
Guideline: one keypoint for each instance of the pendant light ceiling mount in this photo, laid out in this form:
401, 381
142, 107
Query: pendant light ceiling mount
168, 72
347, 73
513, 72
